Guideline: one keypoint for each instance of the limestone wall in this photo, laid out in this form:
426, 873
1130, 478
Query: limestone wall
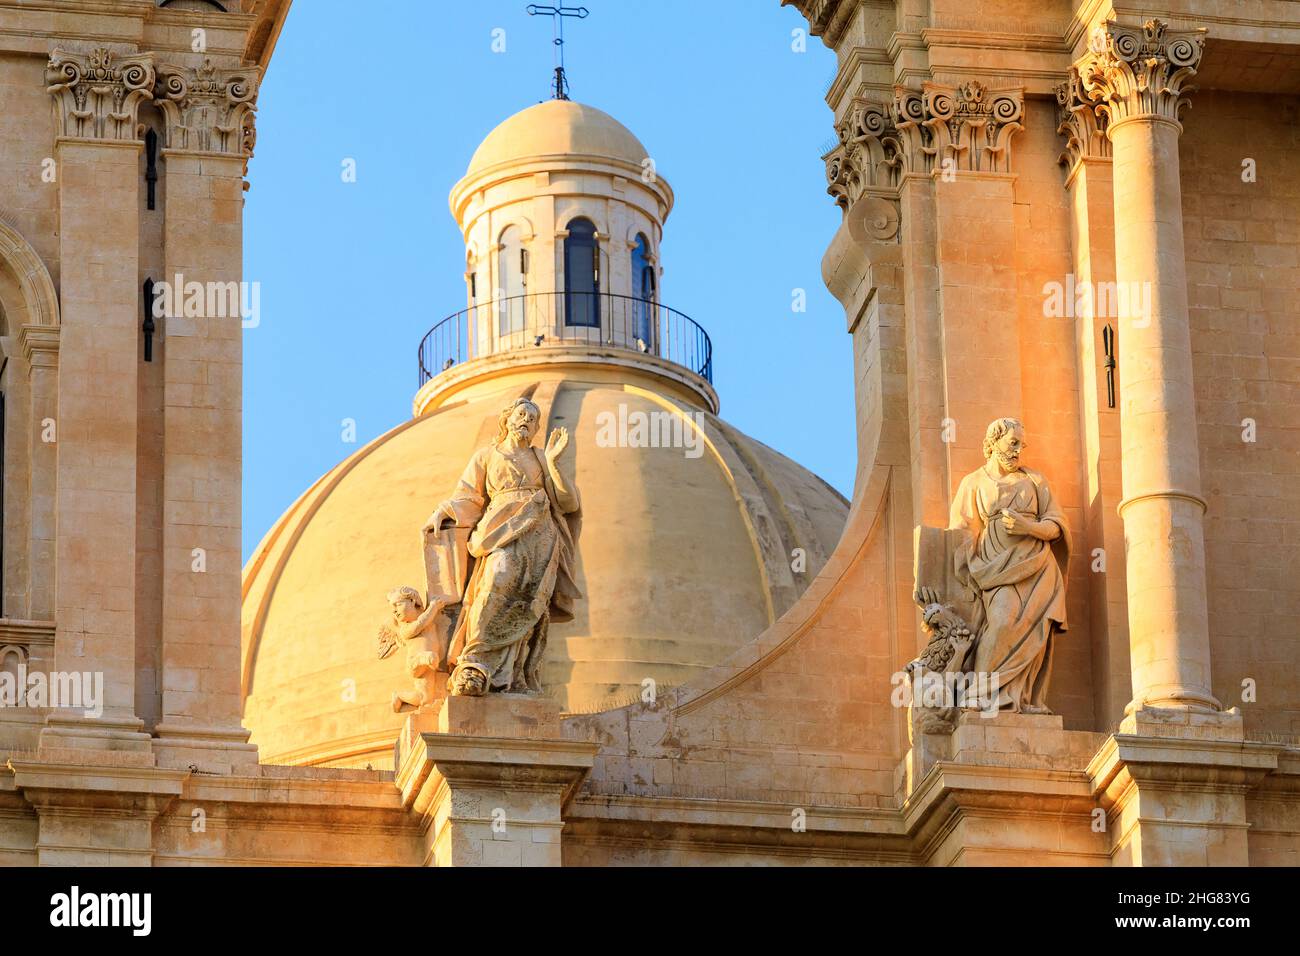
1243, 272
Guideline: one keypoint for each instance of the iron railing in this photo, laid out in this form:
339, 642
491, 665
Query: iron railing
544, 318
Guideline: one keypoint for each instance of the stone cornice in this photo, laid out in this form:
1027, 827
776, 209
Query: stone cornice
26, 633
97, 95
826, 18
851, 64
40, 345
1140, 72
34, 26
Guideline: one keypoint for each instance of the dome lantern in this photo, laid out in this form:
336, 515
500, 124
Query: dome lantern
563, 212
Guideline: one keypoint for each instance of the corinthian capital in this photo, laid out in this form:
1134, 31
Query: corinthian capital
208, 109
869, 154
1080, 122
1141, 71
97, 95
963, 128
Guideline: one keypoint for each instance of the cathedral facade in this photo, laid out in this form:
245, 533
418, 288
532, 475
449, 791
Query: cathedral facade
1068, 261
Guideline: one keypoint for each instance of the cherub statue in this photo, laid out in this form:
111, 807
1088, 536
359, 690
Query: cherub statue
413, 627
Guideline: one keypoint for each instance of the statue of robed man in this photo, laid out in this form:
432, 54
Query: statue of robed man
512, 526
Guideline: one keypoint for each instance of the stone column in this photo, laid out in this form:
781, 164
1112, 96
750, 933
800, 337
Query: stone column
40, 345
96, 99
1139, 82
208, 140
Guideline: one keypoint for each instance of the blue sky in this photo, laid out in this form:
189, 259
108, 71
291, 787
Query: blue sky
353, 274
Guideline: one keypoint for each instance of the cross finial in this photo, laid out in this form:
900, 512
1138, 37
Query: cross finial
560, 88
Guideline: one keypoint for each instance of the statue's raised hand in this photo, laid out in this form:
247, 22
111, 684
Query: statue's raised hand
556, 443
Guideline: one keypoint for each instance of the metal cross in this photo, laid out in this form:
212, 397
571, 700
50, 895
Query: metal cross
560, 88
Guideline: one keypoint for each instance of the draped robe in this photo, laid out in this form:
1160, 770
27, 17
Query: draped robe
524, 531
1019, 581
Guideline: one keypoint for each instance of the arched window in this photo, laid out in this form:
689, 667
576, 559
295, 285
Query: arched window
582, 275
512, 281
643, 293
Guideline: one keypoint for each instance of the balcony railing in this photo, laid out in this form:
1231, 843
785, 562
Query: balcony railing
547, 318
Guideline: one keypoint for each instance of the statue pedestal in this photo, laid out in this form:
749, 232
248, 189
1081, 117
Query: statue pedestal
959, 791
491, 776
1014, 741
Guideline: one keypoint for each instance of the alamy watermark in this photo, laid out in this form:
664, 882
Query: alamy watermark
208, 300
74, 690
74, 909
1111, 300
638, 429
945, 690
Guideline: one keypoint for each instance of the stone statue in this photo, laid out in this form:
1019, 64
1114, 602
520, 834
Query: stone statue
1007, 553
520, 511
992, 592
412, 628
950, 641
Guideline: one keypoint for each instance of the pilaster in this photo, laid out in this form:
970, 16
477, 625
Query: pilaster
96, 96
960, 137
208, 138
1092, 295
40, 347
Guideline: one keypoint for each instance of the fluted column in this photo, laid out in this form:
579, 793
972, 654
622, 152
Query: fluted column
1139, 82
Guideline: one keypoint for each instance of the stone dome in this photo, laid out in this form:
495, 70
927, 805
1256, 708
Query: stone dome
557, 128
681, 560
